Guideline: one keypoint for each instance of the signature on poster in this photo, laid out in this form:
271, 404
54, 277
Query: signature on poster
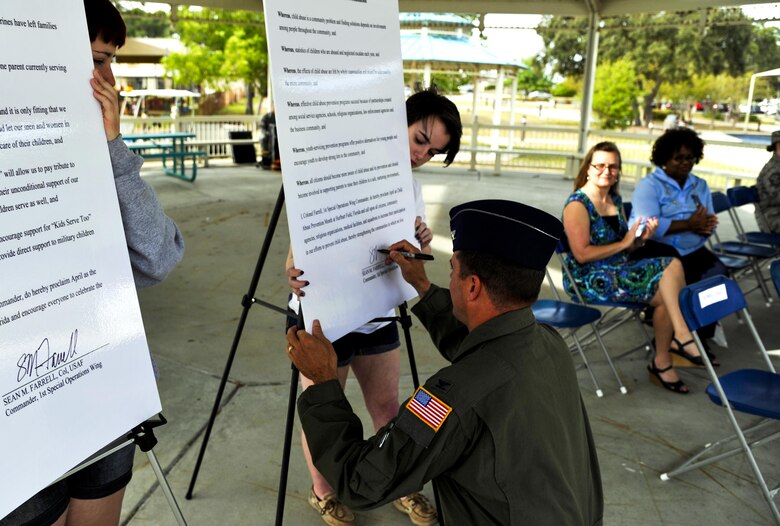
43, 359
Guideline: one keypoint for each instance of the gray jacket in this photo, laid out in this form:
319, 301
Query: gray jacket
154, 242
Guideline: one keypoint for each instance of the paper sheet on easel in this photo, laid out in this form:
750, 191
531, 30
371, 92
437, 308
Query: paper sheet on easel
338, 87
75, 371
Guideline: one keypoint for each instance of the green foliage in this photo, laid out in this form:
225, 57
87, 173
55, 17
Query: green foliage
142, 24
614, 94
533, 78
569, 87
660, 115
664, 47
449, 83
225, 46
717, 88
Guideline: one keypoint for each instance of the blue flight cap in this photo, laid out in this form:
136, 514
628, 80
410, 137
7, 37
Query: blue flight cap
519, 233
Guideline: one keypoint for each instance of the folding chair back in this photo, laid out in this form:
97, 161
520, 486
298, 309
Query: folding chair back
752, 391
756, 253
774, 270
627, 208
744, 195
710, 300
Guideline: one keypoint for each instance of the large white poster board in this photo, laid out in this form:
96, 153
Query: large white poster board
338, 90
75, 371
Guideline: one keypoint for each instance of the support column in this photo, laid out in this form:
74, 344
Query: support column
590, 77
512, 111
498, 106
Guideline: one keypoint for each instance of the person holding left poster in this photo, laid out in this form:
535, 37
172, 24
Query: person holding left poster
93, 496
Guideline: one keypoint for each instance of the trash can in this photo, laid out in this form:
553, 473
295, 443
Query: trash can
242, 153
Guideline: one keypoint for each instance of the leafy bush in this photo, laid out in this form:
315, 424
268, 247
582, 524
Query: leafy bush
660, 115
567, 88
614, 94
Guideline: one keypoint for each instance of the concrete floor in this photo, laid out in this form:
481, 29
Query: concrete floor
191, 321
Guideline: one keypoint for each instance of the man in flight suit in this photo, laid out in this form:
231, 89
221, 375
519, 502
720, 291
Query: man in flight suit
502, 431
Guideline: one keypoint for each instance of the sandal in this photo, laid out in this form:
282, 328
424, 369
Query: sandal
688, 358
655, 377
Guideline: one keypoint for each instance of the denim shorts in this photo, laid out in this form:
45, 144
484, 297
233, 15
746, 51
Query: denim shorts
103, 478
382, 340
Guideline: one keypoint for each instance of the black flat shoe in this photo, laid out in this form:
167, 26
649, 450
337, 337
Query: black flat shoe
655, 377
688, 358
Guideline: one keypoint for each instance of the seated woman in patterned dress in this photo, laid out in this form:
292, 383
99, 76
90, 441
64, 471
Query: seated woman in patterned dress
601, 241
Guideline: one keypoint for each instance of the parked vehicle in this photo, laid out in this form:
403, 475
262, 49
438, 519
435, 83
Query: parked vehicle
539, 95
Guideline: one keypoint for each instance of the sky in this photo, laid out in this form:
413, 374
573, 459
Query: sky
513, 43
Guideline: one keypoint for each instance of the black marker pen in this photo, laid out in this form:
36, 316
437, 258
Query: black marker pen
408, 255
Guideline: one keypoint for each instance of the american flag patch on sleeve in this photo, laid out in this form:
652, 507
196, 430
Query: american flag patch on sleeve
428, 408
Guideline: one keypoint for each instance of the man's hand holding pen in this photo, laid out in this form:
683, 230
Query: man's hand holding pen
412, 269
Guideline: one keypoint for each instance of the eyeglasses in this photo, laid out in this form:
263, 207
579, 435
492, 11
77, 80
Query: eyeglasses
613, 168
683, 158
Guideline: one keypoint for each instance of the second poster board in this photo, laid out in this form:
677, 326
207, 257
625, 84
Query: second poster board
338, 85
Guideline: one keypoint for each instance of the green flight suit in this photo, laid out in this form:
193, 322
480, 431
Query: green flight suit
516, 447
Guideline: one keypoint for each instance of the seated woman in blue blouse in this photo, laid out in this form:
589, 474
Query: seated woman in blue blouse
683, 204
601, 242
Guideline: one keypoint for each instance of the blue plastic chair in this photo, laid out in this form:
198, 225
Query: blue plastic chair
774, 271
755, 253
751, 391
572, 317
745, 195
627, 207
617, 313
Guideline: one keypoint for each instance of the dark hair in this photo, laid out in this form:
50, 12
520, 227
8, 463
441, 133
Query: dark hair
105, 21
427, 104
670, 142
507, 283
582, 175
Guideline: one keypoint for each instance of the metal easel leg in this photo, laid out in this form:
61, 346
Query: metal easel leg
247, 301
166, 488
143, 436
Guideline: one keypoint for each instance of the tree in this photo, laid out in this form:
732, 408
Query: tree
614, 94
222, 46
568, 87
664, 47
142, 24
533, 78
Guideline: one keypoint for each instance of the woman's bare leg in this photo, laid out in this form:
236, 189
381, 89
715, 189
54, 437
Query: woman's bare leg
320, 485
96, 512
662, 327
672, 282
378, 376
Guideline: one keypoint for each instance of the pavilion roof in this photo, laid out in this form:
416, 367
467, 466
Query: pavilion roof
456, 52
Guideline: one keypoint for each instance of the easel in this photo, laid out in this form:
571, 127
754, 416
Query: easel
247, 301
143, 436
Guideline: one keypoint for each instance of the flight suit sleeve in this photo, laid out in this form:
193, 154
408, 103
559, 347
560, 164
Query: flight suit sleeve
434, 310
398, 460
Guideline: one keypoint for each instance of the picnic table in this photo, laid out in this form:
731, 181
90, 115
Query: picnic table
171, 148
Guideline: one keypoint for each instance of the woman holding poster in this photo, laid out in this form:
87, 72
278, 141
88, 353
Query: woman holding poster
93, 496
373, 350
